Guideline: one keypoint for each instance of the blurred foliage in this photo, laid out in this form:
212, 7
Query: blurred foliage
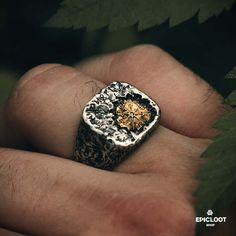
217, 189
95, 14
231, 74
8, 79
231, 99
209, 49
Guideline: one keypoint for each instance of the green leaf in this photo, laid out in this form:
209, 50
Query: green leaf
227, 121
7, 81
218, 174
95, 14
215, 150
231, 99
217, 189
231, 74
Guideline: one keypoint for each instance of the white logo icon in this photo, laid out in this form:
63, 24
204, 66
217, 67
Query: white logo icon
210, 212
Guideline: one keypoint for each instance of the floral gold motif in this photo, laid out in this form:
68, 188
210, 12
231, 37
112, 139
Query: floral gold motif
132, 115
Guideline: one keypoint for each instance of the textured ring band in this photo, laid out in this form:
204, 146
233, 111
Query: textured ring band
114, 123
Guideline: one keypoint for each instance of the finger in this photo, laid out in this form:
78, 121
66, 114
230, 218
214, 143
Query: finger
10, 137
167, 153
43, 195
46, 108
189, 105
174, 158
5, 232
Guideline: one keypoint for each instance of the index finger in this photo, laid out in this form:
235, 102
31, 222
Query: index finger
44, 195
189, 105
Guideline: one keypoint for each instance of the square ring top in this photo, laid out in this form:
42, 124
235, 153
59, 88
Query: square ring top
122, 113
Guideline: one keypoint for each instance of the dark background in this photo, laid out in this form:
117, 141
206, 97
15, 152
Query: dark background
209, 49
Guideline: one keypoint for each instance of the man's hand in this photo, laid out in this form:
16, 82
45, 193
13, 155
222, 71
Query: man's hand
148, 194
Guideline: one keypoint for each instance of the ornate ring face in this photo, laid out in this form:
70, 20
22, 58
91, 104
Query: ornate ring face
114, 123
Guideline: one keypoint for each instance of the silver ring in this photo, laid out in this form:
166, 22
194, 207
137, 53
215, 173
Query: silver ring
114, 123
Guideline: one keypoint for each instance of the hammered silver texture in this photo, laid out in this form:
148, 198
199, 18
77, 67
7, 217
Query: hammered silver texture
101, 141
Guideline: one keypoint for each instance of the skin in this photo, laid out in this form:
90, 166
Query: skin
43, 192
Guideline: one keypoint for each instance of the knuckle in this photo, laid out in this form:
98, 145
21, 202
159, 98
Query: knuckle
155, 215
139, 59
28, 94
32, 73
144, 49
143, 52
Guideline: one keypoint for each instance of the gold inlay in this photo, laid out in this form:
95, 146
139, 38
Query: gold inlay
132, 115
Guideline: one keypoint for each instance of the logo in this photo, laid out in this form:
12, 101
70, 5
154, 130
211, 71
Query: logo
209, 212
210, 220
